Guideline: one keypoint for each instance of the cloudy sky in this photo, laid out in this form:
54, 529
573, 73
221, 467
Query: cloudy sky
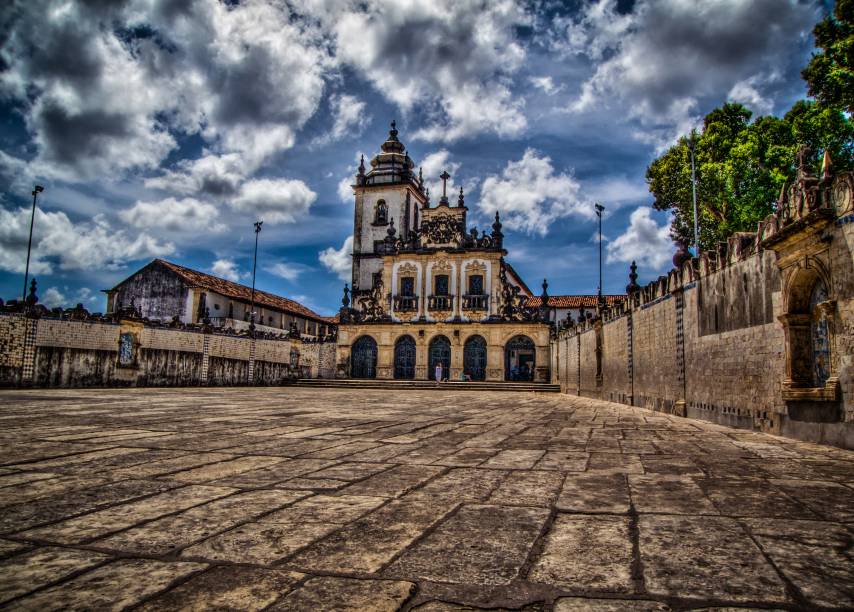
165, 128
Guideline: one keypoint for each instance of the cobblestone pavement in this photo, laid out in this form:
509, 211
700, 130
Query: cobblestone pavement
328, 499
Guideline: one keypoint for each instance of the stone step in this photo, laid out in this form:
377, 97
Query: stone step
350, 383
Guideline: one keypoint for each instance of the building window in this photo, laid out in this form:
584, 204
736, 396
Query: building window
476, 284
376, 279
407, 286
441, 284
820, 338
381, 213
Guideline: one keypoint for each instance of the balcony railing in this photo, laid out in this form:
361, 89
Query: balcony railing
405, 303
475, 302
440, 302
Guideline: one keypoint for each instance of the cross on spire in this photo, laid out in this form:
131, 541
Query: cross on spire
445, 176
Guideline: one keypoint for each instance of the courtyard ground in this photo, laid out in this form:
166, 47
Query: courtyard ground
328, 499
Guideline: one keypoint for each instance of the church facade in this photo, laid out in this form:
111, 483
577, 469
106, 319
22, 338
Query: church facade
427, 290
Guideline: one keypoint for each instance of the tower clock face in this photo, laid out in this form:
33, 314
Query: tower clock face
843, 193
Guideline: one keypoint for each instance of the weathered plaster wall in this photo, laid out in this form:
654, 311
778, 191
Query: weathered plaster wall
66, 353
710, 343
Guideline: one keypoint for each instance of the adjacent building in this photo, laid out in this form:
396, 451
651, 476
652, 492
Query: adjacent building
165, 291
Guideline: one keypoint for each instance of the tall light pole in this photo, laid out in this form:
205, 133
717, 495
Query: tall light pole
599, 210
694, 194
36, 191
258, 225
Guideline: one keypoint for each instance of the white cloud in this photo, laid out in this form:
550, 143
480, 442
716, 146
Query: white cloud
71, 246
530, 195
54, 297
432, 166
340, 260
345, 190
244, 76
658, 61
274, 200
747, 92
186, 215
546, 84
216, 175
348, 118
453, 59
289, 271
643, 241
226, 268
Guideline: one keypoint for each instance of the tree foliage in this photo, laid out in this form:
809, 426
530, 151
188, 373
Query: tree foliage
741, 166
830, 73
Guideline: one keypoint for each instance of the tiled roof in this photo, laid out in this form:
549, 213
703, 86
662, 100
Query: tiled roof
240, 292
576, 301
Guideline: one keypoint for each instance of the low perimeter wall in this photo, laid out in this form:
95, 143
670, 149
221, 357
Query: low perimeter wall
736, 336
45, 352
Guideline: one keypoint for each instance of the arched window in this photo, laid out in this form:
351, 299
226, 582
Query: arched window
363, 358
474, 358
439, 352
819, 335
404, 358
381, 213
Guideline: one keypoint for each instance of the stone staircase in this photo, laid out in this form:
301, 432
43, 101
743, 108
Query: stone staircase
427, 385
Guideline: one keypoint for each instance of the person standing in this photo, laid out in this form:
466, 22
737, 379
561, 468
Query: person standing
438, 372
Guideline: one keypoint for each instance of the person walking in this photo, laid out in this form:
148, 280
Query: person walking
438, 372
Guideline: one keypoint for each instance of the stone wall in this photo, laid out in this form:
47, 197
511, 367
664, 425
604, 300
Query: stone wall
731, 337
68, 353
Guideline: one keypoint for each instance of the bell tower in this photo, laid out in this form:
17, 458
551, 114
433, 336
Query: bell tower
388, 196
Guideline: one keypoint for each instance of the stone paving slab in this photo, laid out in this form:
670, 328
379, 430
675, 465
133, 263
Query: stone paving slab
328, 499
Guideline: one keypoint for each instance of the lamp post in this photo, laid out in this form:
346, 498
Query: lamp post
258, 225
36, 191
599, 210
694, 194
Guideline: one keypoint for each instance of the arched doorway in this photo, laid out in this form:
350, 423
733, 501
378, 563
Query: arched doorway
363, 358
439, 352
404, 358
474, 358
519, 358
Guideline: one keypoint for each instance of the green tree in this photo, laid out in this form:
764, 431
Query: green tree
830, 73
741, 166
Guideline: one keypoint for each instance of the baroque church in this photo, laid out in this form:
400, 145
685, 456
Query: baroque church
427, 290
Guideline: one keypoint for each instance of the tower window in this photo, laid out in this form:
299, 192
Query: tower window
381, 213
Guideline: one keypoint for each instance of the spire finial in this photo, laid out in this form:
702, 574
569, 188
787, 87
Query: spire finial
362, 166
420, 176
345, 301
633, 279
461, 202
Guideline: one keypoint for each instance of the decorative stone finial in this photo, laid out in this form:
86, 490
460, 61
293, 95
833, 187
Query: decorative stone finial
682, 255
545, 294
362, 166
420, 176
826, 167
392, 133
32, 298
461, 201
345, 301
633, 279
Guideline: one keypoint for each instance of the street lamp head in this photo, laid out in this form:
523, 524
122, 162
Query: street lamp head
38, 189
599, 209
258, 225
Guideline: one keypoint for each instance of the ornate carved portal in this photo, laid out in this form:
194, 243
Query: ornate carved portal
404, 358
474, 358
363, 358
519, 359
